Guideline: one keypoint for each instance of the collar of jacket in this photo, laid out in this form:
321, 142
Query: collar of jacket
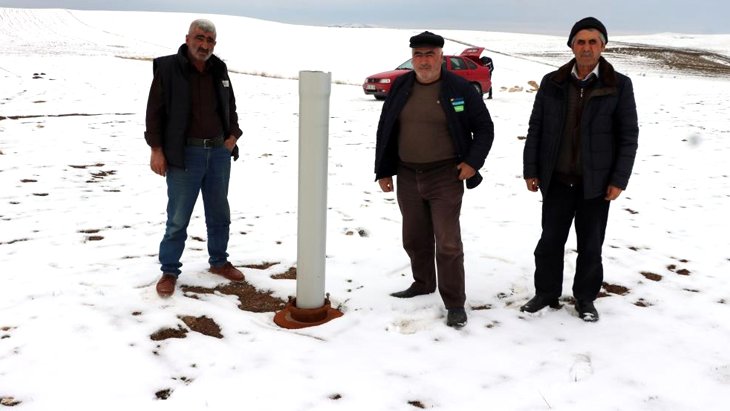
606, 73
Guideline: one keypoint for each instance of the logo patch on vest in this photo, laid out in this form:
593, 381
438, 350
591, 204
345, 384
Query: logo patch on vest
458, 104
226, 83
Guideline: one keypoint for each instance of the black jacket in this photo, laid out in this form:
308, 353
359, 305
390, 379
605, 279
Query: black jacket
609, 130
472, 129
168, 105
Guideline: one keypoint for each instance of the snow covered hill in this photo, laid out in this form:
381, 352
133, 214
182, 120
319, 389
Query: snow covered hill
81, 216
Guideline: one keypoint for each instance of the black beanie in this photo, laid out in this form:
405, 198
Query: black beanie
587, 23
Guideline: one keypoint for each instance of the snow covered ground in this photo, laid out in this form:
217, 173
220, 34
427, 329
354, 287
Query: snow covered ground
81, 216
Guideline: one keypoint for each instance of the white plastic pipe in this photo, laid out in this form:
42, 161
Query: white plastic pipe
314, 94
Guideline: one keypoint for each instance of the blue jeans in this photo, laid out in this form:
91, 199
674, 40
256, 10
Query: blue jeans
208, 170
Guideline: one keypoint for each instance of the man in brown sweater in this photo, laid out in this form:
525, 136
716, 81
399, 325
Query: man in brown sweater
434, 134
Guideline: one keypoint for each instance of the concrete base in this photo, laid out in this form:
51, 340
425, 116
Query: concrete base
292, 317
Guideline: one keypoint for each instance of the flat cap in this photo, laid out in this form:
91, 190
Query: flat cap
587, 23
427, 39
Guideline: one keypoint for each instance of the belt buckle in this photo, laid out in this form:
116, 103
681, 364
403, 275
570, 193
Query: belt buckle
207, 142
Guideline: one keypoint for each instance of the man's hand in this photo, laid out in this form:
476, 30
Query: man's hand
613, 192
158, 163
532, 184
230, 142
465, 171
386, 184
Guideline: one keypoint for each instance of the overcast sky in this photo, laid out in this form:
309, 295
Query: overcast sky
526, 16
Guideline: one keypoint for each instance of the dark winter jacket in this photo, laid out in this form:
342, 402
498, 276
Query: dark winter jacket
470, 125
168, 106
609, 130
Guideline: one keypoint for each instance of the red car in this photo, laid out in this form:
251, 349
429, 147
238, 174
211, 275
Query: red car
466, 65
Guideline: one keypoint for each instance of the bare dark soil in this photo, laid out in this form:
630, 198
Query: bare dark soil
9, 401
672, 59
698, 62
250, 299
290, 274
615, 289
651, 276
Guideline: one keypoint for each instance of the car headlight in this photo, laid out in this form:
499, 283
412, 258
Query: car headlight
384, 80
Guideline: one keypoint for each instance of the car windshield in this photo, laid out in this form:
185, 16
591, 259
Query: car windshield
408, 65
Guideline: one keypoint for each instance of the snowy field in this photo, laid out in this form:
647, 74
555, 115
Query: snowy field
81, 217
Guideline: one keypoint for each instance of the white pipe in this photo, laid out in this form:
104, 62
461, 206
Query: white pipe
314, 93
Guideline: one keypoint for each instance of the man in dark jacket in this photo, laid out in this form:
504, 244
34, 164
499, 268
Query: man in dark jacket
434, 133
488, 63
579, 152
192, 129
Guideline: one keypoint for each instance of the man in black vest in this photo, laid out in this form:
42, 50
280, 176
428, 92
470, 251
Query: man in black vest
434, 133
579, 152
192, 129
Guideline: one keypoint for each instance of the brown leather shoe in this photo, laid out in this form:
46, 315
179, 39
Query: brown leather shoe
228, 271
166, 285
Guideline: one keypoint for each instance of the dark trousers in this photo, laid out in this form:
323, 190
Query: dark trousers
560, 206
430, 202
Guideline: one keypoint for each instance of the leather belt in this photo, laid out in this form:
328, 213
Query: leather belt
206, 142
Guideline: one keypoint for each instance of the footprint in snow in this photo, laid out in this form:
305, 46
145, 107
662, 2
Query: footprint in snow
582, 368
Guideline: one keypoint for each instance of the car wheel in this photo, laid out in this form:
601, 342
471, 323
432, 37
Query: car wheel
478, 87
379, 97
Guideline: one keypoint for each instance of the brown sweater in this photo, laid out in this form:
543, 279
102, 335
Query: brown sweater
424, 135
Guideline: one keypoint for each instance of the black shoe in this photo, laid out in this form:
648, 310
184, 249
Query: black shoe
408, 293
456, 317
586, 310
539, 302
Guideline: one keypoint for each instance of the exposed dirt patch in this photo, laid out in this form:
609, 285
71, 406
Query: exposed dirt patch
360, 231
615, 289
250, 299
64, 115
417, 404
335, 397
15, 241
290, 274
481, 307
651, 276
698, 62
82, 166
167, 333
203, 325
681, 271
492, 324
163, 394
642, 303
262, 266
672, 59
9, 401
